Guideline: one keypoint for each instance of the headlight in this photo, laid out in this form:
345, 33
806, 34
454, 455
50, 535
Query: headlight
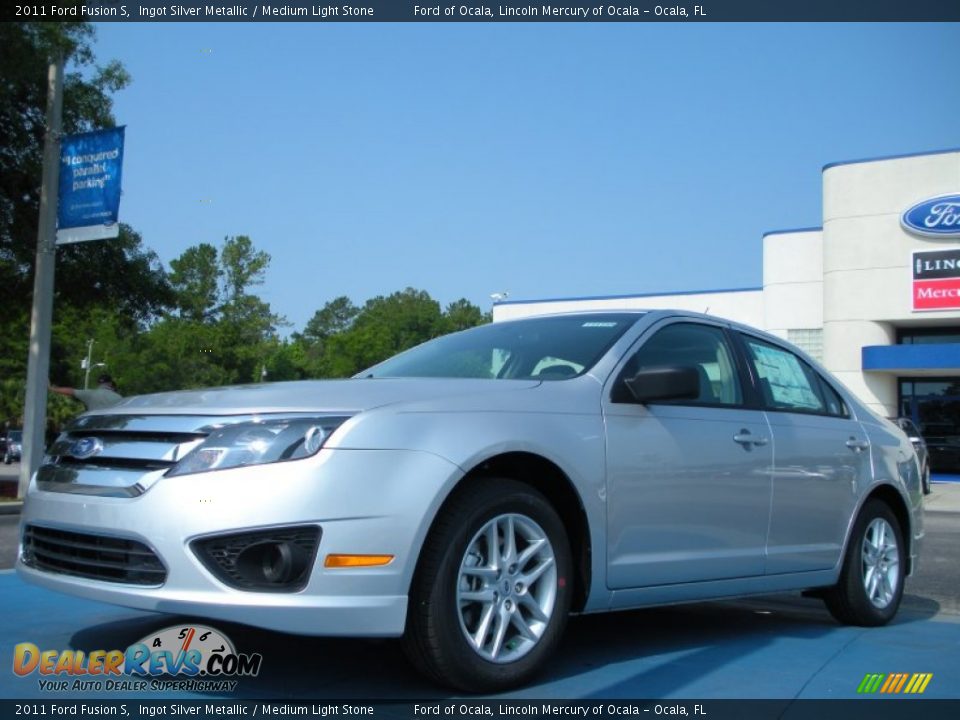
257, 443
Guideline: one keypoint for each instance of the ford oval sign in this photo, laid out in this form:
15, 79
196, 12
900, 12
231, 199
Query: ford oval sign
937, 217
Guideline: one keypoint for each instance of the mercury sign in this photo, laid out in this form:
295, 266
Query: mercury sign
89, 201
936, 280
937, 217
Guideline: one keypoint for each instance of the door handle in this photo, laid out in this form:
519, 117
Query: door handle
858, 445
746, 439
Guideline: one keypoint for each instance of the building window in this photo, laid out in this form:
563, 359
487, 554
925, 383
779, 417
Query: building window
934, 406
809, 340
924, 337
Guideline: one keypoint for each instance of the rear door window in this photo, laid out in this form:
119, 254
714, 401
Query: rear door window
786, 382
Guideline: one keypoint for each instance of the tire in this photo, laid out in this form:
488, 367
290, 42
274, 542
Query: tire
481, 622
926, 480
871, 581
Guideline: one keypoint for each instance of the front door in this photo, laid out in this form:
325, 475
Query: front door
688, 481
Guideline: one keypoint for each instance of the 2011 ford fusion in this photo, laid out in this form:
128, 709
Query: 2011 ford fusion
470, 493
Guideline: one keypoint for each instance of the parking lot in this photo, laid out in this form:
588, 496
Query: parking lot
782, 647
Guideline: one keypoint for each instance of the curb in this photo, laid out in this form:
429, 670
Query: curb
11, 508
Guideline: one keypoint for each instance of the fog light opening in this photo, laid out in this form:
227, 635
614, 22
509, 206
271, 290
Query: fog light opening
272, 563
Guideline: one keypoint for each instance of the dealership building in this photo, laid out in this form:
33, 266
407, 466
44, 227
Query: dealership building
874, 293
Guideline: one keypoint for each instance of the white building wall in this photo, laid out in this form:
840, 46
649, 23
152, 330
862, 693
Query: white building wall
792, 281
867, 274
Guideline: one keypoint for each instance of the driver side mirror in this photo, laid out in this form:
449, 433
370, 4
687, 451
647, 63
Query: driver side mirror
663, 383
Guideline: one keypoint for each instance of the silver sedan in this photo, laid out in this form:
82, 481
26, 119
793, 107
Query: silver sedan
469, 494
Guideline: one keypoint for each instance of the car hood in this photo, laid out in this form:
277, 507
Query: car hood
333, 396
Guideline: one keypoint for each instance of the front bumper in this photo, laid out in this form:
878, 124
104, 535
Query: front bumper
365, 502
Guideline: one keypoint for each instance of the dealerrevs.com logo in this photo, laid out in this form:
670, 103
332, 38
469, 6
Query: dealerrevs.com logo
200, 658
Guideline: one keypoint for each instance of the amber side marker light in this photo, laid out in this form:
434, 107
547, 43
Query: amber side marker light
352, 561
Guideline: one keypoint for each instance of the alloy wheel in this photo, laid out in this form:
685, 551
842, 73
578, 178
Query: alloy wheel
881, 563
506, 588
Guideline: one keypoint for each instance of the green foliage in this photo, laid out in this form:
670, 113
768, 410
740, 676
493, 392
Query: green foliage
284, 361
121, 274
195, 278
178, 354
243, 266
462, 314
334, 317
12, 393
14, 339
342, 340
222, 333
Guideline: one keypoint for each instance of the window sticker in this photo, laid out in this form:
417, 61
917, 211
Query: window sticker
788, 382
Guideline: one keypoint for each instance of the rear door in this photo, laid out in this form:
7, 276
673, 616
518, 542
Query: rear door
821, 459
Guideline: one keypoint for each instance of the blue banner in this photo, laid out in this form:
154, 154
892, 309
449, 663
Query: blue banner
90, 171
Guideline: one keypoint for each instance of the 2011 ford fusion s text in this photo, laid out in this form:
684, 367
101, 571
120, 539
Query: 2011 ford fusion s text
469, 494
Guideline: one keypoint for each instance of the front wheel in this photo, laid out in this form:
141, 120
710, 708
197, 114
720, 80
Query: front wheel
926, 480
492, 591
871, 581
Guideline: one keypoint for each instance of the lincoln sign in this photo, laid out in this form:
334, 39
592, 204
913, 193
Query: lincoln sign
936, 280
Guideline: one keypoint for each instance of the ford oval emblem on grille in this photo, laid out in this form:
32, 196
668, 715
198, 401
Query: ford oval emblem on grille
86, 448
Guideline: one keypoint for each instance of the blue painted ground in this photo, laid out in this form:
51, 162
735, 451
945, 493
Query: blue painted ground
944, 478
781, 647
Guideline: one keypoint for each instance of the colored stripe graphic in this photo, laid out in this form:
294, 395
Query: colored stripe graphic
890, 683
871, 683
918, 683
894, 683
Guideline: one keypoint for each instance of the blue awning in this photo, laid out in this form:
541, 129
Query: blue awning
921, 359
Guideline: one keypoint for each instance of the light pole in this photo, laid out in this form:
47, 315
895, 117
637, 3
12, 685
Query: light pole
41, 314
86, 364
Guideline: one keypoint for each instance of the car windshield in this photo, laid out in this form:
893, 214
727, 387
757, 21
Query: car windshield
546, 348
15, 435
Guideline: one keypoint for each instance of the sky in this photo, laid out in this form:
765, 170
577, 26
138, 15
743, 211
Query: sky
544, 160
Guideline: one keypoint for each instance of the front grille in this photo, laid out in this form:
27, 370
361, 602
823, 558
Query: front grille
97, 557
119, 455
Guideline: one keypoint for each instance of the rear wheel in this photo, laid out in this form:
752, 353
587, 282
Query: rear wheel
926, 480
491, 595
871, 581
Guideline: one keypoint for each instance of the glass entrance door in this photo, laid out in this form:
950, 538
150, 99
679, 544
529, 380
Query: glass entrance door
934, 406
